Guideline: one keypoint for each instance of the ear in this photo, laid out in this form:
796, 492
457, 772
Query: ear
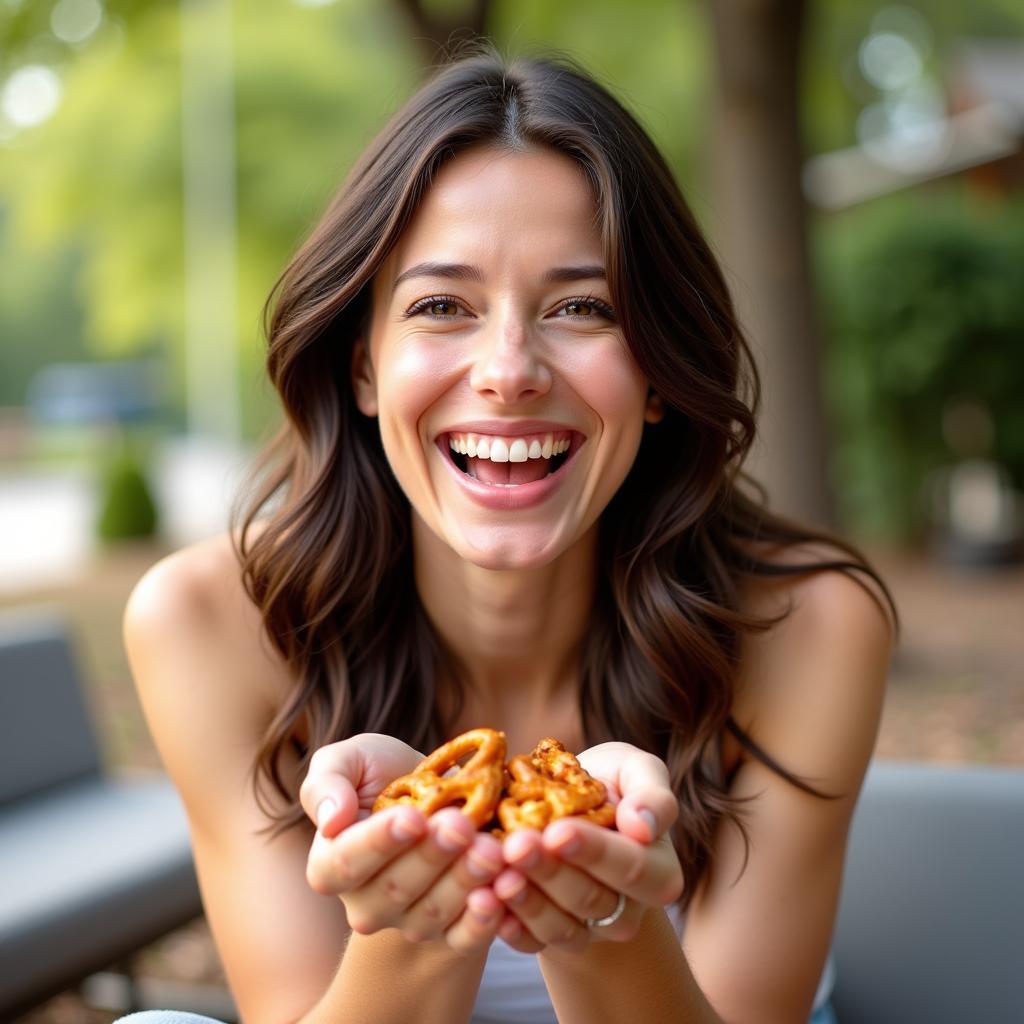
364, 381
655, 409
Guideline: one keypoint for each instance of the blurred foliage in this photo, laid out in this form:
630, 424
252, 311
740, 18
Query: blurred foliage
926, 299
41, 313
127, 509
92, 239
313, 85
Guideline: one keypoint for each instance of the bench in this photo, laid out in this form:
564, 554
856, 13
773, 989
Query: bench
931, 918
92, 867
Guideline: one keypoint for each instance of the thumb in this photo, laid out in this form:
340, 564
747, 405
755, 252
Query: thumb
348, 775
648, 807
329, 793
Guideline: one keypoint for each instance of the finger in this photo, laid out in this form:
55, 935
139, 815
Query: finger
386, 898
477, 926
573, 890
444, 901
514, 934
330, 801
344, 775
349, 860
648, 874
546, 922
648, 807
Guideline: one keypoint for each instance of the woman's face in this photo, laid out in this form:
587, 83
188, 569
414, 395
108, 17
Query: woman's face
492, 328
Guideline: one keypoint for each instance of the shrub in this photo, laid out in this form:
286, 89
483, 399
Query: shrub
127, 509
926, 307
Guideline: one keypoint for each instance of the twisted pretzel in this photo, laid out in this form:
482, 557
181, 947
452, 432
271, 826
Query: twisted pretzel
475, 787
548, 784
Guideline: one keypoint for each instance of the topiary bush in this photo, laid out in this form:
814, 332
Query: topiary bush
127, 508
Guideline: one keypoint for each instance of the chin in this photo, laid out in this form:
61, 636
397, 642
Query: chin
515, 553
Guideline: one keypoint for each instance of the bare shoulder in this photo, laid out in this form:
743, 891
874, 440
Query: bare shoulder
810, 689
199, 585
207, 676
210, 683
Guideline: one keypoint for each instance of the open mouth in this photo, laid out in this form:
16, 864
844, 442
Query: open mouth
510, 473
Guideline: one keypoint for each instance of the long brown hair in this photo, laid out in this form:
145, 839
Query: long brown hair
331, 569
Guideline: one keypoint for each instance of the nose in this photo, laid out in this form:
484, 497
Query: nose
508, 366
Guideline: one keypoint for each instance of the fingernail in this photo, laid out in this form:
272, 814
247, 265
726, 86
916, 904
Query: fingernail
480, 867
648, 818
483, 916
530, 861
519, 896
451, 839
324, 811
404, 829
572, 845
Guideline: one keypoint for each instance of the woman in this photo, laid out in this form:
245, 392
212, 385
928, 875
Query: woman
508, 494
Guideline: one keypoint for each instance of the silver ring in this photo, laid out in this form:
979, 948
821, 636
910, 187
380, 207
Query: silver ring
604, 922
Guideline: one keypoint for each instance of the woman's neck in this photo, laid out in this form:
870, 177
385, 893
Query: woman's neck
513, 633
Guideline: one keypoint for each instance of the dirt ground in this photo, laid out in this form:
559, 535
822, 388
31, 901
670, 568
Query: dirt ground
956, 695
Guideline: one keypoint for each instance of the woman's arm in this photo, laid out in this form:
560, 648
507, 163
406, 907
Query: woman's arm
207, 679
757, 933
811, 694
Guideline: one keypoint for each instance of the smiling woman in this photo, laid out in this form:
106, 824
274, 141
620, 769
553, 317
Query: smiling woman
509, 493
500, 324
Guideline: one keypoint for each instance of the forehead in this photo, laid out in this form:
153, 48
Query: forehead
500, 204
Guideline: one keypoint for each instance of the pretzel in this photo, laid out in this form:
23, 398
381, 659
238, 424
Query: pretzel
475, 787
548, 784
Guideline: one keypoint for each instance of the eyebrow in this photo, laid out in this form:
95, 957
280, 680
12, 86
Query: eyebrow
465, 272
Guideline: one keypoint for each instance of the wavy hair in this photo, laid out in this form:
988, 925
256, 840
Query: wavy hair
330, 568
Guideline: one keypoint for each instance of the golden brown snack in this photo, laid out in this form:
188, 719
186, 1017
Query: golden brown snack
549, 784
475, 787
531, 791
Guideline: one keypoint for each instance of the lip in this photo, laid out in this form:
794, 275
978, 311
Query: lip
505, 499
505, 428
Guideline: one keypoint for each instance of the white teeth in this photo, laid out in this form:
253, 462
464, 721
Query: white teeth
498, 450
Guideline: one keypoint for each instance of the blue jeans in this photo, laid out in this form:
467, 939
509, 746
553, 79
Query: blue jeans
824, 1015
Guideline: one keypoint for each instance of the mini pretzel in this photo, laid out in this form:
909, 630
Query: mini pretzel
550, 784
475, 787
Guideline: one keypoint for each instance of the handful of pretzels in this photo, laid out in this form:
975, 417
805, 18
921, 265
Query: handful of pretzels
529, 791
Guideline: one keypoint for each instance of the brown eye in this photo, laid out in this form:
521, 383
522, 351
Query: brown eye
586, 308
579, 309
438, 307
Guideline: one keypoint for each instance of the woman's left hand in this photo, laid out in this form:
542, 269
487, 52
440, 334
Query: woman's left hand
575, 870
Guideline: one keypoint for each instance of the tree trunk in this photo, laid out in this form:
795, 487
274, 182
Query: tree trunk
436, 34
762, 238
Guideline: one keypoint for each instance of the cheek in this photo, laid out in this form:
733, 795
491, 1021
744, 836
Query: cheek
410, 380
615, 389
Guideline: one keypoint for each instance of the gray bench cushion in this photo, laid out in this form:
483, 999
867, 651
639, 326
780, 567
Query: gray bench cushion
47, 734
931, 923
89, 872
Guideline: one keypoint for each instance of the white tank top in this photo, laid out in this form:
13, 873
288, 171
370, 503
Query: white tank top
512, 989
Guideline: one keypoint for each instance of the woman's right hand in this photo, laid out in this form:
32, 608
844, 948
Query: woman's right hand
397, 869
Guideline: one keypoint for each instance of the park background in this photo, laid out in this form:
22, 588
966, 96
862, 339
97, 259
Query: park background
859, 167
